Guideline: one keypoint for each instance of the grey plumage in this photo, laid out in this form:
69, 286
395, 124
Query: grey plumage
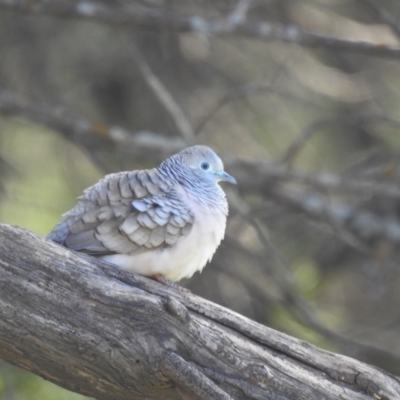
118, 214
130, 213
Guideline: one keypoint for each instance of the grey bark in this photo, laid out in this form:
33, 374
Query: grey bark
109, 334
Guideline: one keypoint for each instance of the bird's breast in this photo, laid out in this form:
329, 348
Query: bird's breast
189, 254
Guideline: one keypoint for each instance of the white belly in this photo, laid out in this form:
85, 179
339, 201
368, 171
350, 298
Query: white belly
189, 254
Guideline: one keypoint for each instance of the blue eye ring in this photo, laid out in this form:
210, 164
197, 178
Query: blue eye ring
205, 166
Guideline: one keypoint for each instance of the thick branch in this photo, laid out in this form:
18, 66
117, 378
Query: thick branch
223, 26
96, 330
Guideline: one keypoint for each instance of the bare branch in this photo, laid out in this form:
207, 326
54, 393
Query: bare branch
160, 91
149, 340
265, 172
245, 91
233, 94
384, 16
159, 20
252, 176
241, 10
331, 122
293, 301
306, 134
89, 134
364, 224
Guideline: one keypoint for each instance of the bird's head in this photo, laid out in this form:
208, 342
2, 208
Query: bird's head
205, 164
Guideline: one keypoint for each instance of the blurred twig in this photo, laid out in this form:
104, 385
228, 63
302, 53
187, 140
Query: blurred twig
385, 16
282, 274
89, 134
331, 122
163, 95
306, 134
241, 10
160, 19
265, 172
235, 93
252, 89
292, 299
364, 224
253, 176
5, 169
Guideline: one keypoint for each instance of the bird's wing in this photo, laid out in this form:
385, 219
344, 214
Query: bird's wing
125, 213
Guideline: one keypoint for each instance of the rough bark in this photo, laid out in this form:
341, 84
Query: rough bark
106, 333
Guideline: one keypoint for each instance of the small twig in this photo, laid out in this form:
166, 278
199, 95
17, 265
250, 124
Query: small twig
5, 169
248, 90
89, 134
293, 301
283, 275
160, 91
239, 14
245, 91
346, 235
235, 93
305, 134
332, 122
271, 171
384, 16
364, 224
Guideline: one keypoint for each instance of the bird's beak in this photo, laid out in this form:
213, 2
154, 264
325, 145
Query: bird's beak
223, 176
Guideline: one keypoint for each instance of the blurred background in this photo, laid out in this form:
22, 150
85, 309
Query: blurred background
304, 113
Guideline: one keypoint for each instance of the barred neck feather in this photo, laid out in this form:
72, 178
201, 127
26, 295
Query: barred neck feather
205, 191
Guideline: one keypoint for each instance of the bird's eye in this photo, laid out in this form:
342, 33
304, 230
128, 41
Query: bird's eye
205, 166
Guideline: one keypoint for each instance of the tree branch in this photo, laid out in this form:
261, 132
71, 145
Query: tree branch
268, 179
103, 332
165, 98
384, 16
89, 134
222, 26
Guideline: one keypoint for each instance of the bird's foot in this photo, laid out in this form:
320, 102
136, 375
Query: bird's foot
162, 279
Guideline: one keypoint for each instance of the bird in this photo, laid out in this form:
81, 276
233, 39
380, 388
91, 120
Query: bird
164, 223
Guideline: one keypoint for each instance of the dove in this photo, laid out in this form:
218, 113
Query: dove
165, 223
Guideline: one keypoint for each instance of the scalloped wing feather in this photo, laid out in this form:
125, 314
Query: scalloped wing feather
127, 212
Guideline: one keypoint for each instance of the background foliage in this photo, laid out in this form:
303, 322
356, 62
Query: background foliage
308, 110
